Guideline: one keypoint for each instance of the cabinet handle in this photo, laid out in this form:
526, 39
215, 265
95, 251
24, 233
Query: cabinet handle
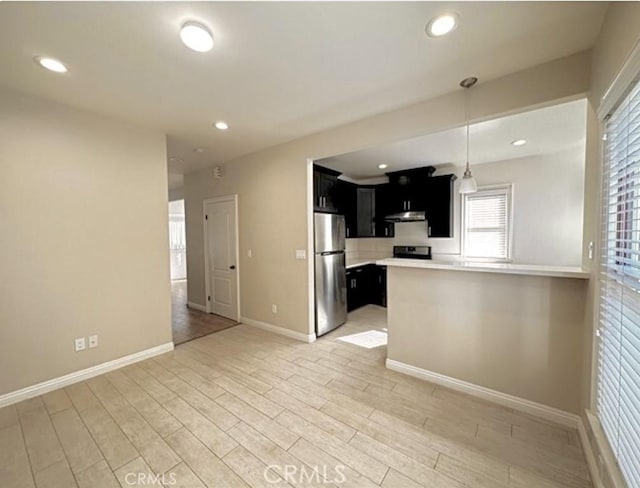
386, 231
404, 204
408, 204
429, 231
373, 229
323, 204
358, 270
347, 231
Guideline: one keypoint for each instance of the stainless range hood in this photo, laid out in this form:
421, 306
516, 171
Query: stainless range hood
410, 216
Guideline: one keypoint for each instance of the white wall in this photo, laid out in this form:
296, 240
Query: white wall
84, 245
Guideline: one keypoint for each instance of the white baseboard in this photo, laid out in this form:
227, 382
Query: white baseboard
549, 413
197, 306
279, 330
589, 455
83, 374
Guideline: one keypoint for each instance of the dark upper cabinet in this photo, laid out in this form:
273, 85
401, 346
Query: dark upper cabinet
366, 206
440, 205
363, 209
418, 190
383, 197
348, 206
325, 189
371, 203
366, 211
408, 189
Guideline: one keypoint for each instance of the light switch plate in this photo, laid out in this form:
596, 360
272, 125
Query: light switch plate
301, 254
250, 253
80, 344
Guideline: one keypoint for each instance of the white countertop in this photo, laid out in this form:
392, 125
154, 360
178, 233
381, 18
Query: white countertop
359, 262
503, 268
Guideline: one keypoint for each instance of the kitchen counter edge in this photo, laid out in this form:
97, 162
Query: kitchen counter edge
500, 268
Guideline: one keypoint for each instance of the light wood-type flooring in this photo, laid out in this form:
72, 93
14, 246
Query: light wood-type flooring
245, 407
188, 324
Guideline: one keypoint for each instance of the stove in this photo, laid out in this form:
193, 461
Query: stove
412, 252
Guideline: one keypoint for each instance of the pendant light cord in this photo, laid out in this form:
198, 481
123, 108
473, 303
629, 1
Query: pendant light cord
466, 117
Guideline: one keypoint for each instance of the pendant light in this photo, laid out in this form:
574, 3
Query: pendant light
468, 183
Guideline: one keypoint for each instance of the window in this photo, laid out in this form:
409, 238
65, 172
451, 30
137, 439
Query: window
618, 391
486, 223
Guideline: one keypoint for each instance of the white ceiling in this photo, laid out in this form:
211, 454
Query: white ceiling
279, 70
547, 131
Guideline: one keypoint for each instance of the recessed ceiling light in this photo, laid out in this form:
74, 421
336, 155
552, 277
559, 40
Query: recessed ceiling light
382, 166
519, 142
221, 125
197, 37
51, 64
441, 25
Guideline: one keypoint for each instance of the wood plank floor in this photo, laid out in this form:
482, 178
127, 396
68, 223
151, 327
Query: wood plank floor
188, 324
244, 407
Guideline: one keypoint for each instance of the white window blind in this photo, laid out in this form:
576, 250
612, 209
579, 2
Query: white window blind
619, 345
486, 223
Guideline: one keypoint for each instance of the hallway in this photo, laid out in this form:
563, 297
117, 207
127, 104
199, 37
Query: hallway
187, 323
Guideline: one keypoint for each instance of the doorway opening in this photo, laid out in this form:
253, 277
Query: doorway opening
188, 320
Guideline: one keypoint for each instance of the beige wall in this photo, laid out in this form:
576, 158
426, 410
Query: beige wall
271, 184
84, 246
520, 335
620, 32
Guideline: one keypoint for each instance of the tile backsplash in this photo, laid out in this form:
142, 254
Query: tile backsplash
368, 248
406, 234
410, 234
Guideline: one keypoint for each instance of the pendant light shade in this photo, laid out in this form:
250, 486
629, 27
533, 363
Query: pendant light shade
468, 183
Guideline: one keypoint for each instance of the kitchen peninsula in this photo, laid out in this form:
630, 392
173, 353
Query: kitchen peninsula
514, 329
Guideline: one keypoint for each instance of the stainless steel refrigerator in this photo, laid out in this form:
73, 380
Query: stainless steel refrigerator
331, 278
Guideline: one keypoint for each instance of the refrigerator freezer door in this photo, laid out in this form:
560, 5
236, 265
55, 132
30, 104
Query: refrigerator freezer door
329, 232
331, 292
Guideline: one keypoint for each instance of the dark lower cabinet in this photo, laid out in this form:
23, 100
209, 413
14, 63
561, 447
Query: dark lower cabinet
366, 285
379, 284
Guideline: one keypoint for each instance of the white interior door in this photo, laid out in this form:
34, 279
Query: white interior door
221, 256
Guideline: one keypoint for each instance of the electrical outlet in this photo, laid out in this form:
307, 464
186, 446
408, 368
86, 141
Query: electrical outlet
80, 344
93, 341
301, 254
274, 308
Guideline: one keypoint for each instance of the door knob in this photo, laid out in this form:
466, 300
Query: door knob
233, 266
